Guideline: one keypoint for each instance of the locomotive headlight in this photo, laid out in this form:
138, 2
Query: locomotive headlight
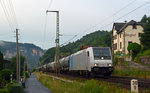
109, 64
95, 64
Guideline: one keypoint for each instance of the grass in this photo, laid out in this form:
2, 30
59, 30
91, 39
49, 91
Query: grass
90, 86
4, 90
126, 63
133, 72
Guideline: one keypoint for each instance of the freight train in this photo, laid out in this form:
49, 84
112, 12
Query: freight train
93, 61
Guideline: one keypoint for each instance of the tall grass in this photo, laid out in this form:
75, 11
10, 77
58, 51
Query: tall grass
133, 72
90, 86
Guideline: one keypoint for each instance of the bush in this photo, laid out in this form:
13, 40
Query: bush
137, 57
146, 53
135, 48
27, 74
4, 91
5, 74
17, 88
115, 60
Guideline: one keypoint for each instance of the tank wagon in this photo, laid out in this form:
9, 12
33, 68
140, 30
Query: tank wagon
90, 61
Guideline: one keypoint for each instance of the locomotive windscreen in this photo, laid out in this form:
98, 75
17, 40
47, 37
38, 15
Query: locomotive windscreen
101, 53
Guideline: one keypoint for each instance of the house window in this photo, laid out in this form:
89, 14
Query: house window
115, 46
120, 45
129, 42
115, 37
139, 34
120, 35
134, 26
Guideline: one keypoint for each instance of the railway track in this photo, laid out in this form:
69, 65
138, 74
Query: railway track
120, 81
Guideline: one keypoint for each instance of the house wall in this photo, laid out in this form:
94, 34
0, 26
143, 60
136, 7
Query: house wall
115, 39
132, 35
129, 34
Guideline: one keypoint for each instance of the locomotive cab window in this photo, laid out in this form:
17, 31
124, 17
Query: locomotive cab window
101, 53
88, 53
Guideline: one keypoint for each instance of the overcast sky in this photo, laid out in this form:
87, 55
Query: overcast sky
77, 17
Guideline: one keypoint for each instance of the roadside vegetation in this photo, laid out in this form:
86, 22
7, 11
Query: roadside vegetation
90, 86
132, 72
8, 76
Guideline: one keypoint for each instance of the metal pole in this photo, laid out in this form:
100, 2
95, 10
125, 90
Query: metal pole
57, 64
17, 57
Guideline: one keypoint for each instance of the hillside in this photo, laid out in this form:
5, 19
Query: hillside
31, 51
98, 38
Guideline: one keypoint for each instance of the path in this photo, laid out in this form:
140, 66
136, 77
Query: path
34, 86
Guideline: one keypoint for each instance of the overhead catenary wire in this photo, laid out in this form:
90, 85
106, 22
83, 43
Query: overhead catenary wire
13, 12
108, 17
50, 4
7, 15
45, 23
110, 22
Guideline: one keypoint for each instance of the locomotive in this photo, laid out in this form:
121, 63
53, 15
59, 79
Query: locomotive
95, 61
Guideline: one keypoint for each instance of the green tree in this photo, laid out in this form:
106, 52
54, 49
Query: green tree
13, 65
144, 19
135, 48
145, 37
5, 74
1, 61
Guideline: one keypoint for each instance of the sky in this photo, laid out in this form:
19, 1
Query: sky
77, 17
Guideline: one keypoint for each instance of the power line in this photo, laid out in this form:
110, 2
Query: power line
45, 24
115, 20
7, 15
50, 4
13, 12
110, 16
133, 10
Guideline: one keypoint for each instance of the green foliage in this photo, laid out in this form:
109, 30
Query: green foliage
144, 19
27, 74
98, 38
17, 88
135, 48
33, 70
92, 86
115, 60
146, 52
133, 72
5, 74
137, 57
145, 37
1, 61
13, 65
4, 91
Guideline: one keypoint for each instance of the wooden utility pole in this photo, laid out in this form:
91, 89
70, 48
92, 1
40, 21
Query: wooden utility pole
57, 63
17, 58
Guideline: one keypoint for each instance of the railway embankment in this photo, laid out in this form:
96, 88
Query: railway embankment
78, 85
85, 85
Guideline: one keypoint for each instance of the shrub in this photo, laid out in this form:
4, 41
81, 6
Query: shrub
3, 91
147, 52
27, 74
135, 48
17, 88
5, 74
115, 60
